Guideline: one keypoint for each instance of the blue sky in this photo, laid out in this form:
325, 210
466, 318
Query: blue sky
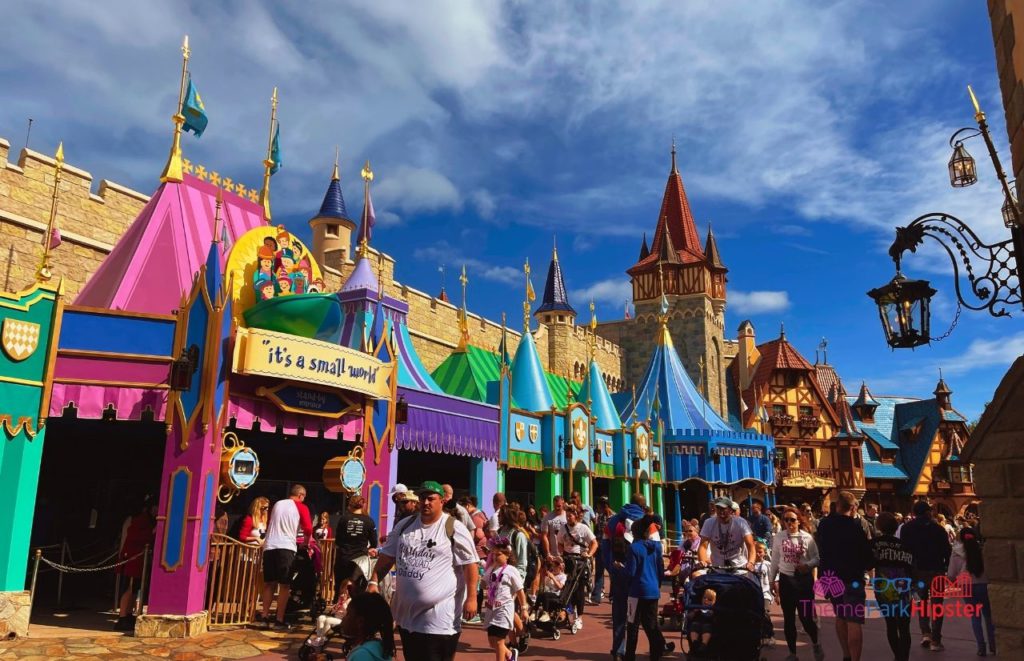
806, 131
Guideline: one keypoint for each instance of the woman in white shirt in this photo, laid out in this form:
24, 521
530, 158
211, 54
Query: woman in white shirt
794, 557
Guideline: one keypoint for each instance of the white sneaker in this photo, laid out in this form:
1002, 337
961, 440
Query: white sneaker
936, 646
514, 654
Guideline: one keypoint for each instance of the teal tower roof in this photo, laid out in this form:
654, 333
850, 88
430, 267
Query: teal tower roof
529, 387
595, 392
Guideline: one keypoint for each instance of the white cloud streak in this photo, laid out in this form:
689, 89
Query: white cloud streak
758, 302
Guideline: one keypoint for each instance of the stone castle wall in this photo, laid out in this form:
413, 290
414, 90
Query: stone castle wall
90, 223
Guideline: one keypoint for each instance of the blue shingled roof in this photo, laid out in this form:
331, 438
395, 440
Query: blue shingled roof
555, 298
334, 202
878, 437
953, 416
913, 454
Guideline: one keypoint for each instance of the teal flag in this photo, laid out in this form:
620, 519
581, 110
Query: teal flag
194, 111
275, 150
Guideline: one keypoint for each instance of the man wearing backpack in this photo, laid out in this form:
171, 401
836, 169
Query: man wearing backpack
436, 576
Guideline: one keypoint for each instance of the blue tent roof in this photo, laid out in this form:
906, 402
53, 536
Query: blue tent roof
555, 298
333, 205
529, 387
667, 393
601, 405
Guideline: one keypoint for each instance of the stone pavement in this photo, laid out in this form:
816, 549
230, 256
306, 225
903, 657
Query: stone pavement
591, 644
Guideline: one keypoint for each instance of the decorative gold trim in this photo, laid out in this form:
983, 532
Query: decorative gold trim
120, 313
113, 384
112, 355
184, 522
25, 293
51, 357
20, 382
24, 422
271, 394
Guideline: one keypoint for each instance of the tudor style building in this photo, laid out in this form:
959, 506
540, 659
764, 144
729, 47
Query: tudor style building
776, 391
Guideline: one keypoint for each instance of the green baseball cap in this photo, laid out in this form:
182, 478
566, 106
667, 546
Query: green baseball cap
430, 487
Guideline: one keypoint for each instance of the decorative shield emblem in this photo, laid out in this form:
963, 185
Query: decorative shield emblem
607, 447
642, 446
20, 338
579, 433
534, 431
520, 430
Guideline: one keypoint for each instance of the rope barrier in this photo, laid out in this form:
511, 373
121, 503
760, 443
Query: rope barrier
94, 568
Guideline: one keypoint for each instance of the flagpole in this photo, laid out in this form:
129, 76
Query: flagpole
463, 317
173, 171
268, 162
364, 230
526, 303
43, 273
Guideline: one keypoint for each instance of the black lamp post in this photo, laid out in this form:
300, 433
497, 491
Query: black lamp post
634, 461
184, 368
597, 455
993, 271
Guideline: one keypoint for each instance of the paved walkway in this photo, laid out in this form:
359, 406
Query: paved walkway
51, 641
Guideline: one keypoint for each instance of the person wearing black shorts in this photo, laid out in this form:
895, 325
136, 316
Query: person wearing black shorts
355, 538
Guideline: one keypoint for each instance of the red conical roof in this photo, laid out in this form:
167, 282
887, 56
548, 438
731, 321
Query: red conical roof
676, 216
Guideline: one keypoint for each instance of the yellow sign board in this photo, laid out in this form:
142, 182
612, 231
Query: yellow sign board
304, 360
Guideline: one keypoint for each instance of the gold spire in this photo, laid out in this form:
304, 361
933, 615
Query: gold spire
367, 175
979, 114
554, 247
44, 273
530, 296
703, 388
216, 216
172, 171
268, 162
335, 176
463, 315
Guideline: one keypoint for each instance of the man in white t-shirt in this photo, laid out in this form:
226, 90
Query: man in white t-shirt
729, 538
577, 544
552, 524
287, 519
436, 564
498, 501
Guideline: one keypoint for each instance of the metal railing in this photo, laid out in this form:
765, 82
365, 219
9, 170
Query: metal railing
234, 580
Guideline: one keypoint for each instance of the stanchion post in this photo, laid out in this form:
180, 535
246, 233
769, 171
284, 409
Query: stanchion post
117, 591
35, 575
60, 575
142, 581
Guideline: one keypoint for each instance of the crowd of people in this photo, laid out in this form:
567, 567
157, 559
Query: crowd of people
445, 563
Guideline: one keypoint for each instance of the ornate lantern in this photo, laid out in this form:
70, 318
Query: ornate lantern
962, 169
401, 411
183, 368
903, 307
1010, 210
656, 464
635, 461
597, 455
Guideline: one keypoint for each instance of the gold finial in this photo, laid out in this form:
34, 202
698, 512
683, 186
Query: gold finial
268, 162
380, 275
554, 247
364, 228
979, 114
463, 314
366, 172
172, 171
43, 273
335, 176
674, 169
216, 216
703, 388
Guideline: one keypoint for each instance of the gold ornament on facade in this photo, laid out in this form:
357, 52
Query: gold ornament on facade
534, 433
579, 433
520, 430
642, 446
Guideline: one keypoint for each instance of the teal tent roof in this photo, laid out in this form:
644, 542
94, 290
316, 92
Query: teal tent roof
595, 390
529, 385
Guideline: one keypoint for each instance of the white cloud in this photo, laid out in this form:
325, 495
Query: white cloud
981, 353
758, 302
412, 190
791, 230
613, 292
443, 252
484, 203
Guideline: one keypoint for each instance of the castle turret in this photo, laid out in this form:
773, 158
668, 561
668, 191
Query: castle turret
529, 387
332, 227
865, 404
559, 317
746, 360
943, 395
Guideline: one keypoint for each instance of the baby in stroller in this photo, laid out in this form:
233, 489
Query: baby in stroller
553, 607
700, 622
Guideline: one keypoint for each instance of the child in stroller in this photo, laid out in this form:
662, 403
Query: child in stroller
553, 608
736, 608
364, 633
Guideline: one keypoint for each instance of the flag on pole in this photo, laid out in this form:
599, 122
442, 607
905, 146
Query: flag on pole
530, 294
369, 218
275, 149
194, 111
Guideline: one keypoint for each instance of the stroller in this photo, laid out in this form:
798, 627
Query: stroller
554, 610
739, 621
674, 609
306, 572
332, 645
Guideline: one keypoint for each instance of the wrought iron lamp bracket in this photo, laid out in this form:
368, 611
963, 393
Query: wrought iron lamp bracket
992, 270
958, 138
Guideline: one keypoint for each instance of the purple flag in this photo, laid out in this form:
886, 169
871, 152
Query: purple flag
366, 228
54, 237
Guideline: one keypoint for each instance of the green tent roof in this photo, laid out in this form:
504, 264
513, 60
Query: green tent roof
466, 374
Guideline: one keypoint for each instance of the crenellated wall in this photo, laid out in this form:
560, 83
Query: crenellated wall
90, 223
